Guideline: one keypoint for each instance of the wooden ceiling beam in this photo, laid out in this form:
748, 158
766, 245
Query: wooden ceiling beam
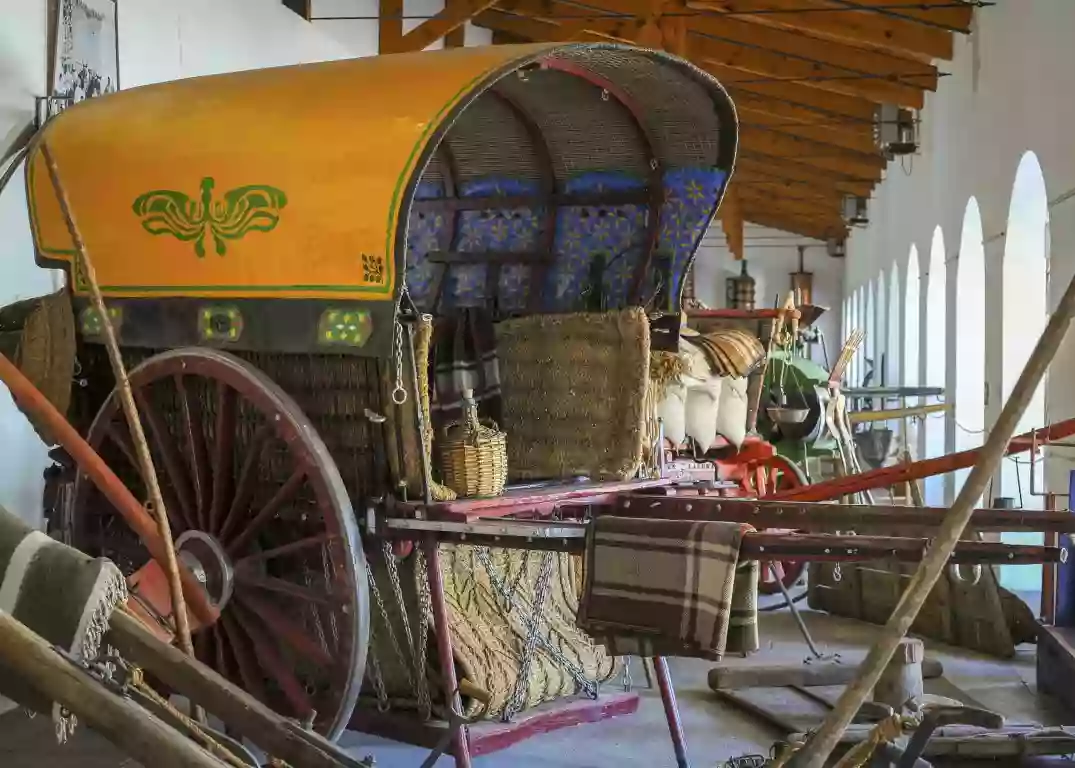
822, 102
455, 15
827, 217
900, 36
889, 78
856, 165
777, 168
794, 225
806, 99
845, 137
764, 52
780, 188
950, 17
389, 25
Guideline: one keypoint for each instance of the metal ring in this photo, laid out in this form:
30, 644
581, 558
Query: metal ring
1063, 554
399, 395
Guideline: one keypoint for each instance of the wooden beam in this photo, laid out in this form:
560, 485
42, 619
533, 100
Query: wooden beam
900, 36
731, 221
857, 165
782, 53
790, 224
849, 137
794, 209
389, 25
456, 15
778, 168
766, 52
798, 190
456, 38
808, 100
823, 102
951, 16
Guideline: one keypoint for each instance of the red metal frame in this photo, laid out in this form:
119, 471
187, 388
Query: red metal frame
918, 470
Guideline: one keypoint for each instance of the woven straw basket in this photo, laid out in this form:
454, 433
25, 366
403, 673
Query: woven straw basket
473, 455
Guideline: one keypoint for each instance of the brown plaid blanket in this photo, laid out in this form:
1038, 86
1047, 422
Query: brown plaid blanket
669, 588
464, 357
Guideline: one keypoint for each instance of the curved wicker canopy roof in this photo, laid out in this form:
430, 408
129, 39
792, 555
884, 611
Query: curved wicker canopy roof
807, 78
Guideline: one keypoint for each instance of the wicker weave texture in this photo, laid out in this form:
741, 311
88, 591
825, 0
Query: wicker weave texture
574, 389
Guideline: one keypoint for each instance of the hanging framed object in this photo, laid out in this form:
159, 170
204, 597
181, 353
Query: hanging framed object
83, 50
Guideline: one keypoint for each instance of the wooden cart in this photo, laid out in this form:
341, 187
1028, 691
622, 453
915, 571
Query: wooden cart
268, 244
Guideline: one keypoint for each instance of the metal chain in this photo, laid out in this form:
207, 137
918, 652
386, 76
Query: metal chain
378, 678
392, 567
541, 594
425, 613
399, 393
587, 686
391, 631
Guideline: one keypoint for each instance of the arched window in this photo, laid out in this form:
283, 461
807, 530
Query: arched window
869, 325
968, 389
856, 322
936, 325
880, 329
1023, 317
911, 310
895, 351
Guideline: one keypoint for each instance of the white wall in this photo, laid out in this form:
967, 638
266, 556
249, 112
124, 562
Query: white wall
159, 40
1005, 96
771, 257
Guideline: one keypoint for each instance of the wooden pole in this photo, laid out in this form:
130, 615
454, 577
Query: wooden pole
135, 731
111, 487
130, 410
235, 707
814, 753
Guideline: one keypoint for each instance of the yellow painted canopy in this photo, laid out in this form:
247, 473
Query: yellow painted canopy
271, 183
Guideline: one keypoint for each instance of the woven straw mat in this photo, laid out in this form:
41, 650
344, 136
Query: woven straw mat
487, 640
574, 392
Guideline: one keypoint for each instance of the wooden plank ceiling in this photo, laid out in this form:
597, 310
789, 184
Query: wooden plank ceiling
807, 77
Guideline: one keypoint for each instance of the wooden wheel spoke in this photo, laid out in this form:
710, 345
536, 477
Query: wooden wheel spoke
173, 465
286, 549
283, 587
250, 675
281, 497
245, 485
283, 627
223, 459
240, 463
195, 442
223, 663
279, 671
113, 433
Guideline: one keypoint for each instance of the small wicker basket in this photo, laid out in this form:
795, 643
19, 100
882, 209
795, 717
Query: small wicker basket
474, 455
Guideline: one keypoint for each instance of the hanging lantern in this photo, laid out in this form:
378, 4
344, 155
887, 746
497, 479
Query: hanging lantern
740, 290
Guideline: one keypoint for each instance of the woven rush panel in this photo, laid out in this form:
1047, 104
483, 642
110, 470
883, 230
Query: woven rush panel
678, 111
488, 634
574, 393
583, 131
489, 139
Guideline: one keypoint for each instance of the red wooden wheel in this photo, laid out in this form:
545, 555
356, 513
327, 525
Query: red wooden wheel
262, 518
776, 474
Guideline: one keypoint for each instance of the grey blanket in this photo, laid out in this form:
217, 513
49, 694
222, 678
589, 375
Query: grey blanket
64, 596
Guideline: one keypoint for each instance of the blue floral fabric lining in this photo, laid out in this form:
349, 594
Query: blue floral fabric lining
612, 236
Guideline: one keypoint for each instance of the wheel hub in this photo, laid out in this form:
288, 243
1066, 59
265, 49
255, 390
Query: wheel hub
209, 563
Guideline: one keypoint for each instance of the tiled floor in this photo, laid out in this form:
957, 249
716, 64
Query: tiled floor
714, 732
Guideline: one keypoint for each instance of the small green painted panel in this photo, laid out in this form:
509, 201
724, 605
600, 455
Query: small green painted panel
344, 327
220, 323
91, 323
